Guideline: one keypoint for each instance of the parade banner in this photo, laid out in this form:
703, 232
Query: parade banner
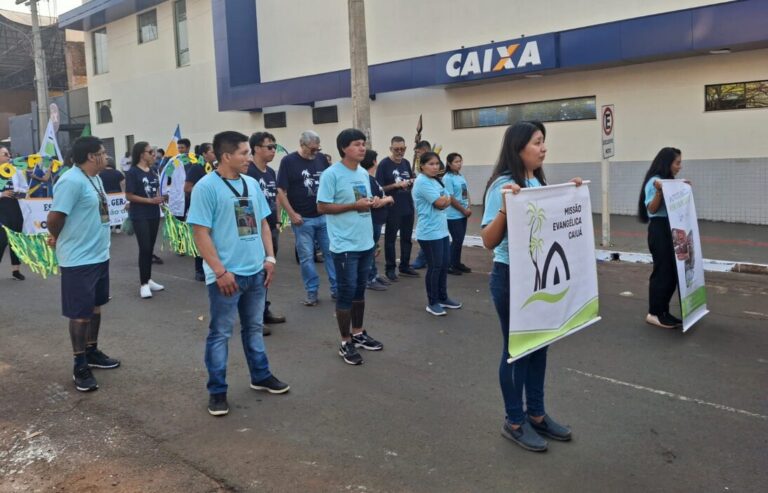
553, 274
678, 198
35, 211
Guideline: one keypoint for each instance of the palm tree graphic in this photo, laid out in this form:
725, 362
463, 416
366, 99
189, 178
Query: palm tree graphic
536, 219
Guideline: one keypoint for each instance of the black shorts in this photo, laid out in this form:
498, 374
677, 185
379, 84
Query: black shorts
83, 288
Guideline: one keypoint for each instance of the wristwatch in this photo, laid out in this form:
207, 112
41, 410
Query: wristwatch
271, 260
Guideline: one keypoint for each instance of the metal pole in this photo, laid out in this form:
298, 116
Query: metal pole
358, 54
41, 73
606, 213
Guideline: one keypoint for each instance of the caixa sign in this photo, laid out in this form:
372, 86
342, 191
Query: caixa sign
505, 58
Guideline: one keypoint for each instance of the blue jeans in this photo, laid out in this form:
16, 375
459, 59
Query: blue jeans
437, 253
458, 229
249, 303
353, 269
312, 230
526, 373
376, 237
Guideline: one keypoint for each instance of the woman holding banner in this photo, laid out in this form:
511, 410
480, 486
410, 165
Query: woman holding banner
652, 210
519, 166
10, 211
141, 187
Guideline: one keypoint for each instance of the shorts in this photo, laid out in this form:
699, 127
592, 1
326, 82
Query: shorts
83, 288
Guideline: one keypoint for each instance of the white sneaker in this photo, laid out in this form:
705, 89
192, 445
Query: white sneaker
144, 291
155, 286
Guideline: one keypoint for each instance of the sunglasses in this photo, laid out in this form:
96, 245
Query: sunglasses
398, 149
271, 147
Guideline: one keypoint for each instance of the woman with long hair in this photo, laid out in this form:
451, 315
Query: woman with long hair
519, 166
458, 213
652, 210
430, 201
141, 190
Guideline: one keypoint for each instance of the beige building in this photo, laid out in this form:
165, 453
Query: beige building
690, 74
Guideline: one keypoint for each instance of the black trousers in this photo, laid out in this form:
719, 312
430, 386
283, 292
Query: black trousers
146, 234
10, 216
663, 281
396, 223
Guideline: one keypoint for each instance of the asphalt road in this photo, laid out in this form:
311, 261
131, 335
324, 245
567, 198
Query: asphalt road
651, 409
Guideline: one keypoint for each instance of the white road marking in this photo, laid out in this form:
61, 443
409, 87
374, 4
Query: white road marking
721, 407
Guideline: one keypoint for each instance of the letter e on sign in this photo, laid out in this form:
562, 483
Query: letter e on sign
608, 123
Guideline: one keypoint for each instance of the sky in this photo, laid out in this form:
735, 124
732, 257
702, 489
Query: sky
45, 7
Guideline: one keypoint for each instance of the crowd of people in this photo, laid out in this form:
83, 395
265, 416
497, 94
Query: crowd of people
339, 209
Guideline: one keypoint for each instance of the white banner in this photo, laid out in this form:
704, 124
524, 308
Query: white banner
678, 199
553, 273
35, 211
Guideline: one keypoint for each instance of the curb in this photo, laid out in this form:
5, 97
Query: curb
645, 258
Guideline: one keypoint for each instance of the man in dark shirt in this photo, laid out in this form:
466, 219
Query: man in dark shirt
112, 178
263, 149
297, 182
395, 176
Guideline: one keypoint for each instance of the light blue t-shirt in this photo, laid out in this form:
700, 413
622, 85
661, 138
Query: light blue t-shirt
235, 223
456, 187
650, 193
492, 205
349, 231
85, 239
433, 222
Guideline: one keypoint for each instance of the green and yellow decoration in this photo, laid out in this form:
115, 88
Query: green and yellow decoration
34, 251
178, 235
24, 163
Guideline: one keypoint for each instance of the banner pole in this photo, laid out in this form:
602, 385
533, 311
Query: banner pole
606, 212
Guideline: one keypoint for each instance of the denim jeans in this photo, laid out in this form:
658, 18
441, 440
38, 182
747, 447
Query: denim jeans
248, 301
458, 229
396, 223
437, 253
313, 229
376, 237
526, 373
352, 269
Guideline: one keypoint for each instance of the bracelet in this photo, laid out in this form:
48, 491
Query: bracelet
503, 212
270, 259
221, 275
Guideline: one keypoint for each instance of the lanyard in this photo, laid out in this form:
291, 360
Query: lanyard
99, 191
237, 195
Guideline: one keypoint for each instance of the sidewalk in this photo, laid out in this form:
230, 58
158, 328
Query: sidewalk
728, 242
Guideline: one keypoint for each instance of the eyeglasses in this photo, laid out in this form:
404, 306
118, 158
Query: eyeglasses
314, 150
398, 149
151, 151
271, 147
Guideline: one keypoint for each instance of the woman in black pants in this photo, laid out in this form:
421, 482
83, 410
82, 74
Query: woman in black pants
141, 188
652, 210
10, 211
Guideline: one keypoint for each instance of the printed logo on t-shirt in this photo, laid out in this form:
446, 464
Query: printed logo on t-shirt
269, 193
310, 183
464, 193
245, 217
150, 188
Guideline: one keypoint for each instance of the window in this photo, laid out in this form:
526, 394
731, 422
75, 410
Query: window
326, 114
100, 61
129, 141
180, 31
104, 111
109, 146
275, 120
147, 26
582, 108
736, 96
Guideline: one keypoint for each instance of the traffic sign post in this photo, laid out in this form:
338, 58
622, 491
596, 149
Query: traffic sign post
607, 127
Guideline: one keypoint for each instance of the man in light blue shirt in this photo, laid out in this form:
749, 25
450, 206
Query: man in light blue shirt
228, 213
78, 225
344, 195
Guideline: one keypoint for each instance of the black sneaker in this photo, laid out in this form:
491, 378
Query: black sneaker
391, 276
365, 341
463, 268
454, 271
552, 429
200, 276
97, 359
273, 318
156, 260
271, 385
18, 275
525, 436
409, 272
349, 353
672, 318
217, 404
84, 380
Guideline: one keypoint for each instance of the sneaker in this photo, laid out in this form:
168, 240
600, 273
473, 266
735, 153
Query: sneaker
266, 331
153, 286
18, 275
156, 260
525, 436
144, 291
550, 428
654, 320
375, 286
84, 380
383, 280
409, 272
463, 268
349, 353
311, 299
450, 304
272, 385
271, 318
436, 310
217, 404
673, 318
365, 341
200, 276
97, 359
454, 271
392, 276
